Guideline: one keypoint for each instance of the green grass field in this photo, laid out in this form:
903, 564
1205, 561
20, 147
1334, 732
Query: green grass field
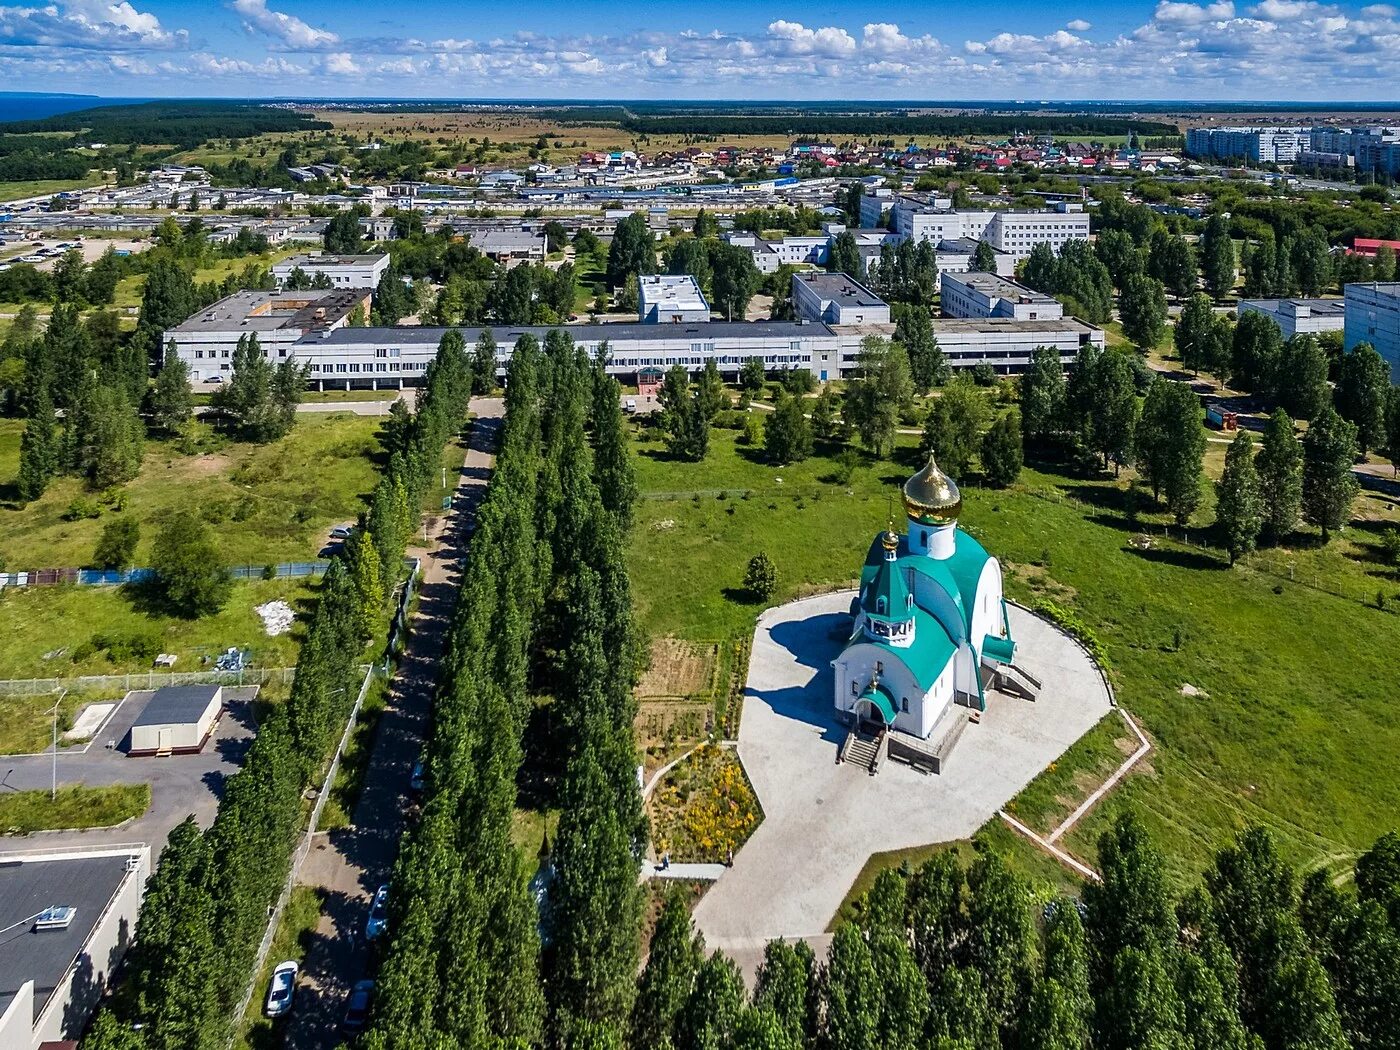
70, 624
26, 722
1297, 727
266, 502
14, 191
75, 808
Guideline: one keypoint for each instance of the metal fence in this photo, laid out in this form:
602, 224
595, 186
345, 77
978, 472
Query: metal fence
117, 577
143, 680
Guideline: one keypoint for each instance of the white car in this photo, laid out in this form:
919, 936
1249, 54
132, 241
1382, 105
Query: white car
378, 913
342, 532
281, 989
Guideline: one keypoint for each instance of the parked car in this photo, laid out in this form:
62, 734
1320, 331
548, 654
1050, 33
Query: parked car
415, 780
631, 406
216, 379
281, 989
378, 913
342, 532
357, 1007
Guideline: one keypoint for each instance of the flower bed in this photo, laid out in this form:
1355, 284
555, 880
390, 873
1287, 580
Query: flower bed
705, 807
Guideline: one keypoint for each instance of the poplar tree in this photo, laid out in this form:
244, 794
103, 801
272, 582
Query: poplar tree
1218, 263
1195, 333
1002, 456
1043, 394
1362, 395
674, 959
1143, 310
1171, 446
953, 429
38, 450
363, 560
1239, 508
484, 363
1329, 486
787, 436
1280, 469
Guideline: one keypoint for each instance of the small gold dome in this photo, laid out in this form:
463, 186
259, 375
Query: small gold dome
889, 540
931, 497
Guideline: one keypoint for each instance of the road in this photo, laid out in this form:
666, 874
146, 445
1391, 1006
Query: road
348, 864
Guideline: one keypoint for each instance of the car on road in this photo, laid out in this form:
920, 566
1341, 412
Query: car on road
342, 532
378, 917
631, 406
415, 780
357, 1007
281, 989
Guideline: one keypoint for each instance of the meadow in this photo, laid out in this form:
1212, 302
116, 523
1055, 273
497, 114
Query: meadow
1289, 654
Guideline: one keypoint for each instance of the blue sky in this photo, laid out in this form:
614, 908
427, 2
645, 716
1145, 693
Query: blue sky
1272, 49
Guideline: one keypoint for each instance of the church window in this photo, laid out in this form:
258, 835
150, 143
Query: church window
879, 667
855, 688
880, 605
904, 705
923, 539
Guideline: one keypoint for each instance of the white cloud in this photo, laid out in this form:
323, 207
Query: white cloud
1078, 25
87, 24
1180, 14
1282, 10
829, 40
1380, 11
290, 30
339, 64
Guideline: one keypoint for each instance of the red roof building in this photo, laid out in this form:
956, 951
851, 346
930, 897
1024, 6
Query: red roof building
1367, 246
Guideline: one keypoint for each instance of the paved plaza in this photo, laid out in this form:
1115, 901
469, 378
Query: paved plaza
822, 821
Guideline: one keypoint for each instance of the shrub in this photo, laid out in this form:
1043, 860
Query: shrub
761, 577
269, 572
83, 507
188, 571
117, 544
128, 646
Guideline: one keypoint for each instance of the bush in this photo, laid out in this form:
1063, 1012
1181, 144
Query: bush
83, 507
761, 577
129, 646
189, 574
117, 544
269, 572
983, 374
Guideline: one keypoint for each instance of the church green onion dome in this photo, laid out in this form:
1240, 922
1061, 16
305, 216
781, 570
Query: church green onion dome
931, 497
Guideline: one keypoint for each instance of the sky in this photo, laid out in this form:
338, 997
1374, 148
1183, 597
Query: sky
705, 49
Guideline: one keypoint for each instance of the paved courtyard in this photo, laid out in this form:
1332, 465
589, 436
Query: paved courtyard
823, 821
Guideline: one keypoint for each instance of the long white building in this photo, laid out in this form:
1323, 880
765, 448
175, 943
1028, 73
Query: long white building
985, 295
923, 218
343, 271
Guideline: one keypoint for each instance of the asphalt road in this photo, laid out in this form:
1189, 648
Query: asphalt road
181, 785
348, 864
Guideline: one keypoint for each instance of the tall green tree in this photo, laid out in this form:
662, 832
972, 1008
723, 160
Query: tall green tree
363, 561
984, 258
38, 450
927, 364
852, 993
787, 436
342, 234
172, 398
953, 429
1195, 333
1256, 355
1143, 308
106, 437
1171, 260
187, 568
1113, 413
674, 960
711, 1012
1363, 395
1329, 486
1239, 507
1043, 394
844, 256
1002, 456
878, 393
1302, 380
1171, 446
1218, 263
1280, 468
632, 252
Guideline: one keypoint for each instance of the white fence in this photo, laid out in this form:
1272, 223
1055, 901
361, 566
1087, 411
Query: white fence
125, 683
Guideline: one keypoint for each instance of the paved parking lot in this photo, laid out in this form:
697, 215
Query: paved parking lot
822, 821
180, 784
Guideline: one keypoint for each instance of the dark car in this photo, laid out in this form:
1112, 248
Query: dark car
357, 1007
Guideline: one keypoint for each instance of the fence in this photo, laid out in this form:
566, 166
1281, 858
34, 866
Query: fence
398, 628
144, 680
115, 577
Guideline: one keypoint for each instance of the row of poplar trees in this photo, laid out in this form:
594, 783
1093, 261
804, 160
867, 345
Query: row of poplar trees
544, 609
954, 958
207, 905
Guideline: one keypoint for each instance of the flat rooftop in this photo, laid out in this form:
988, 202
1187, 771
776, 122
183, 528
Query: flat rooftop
994, 287
26, 888
506, 335
675, 291
839, 289
1317, 307
984, 325
176, 703
311, 259
270, 311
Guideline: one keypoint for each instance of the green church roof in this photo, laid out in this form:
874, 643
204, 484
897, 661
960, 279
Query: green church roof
956, 575
879, 696
886, 596
927, 657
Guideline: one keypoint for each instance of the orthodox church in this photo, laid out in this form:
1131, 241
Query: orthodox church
929, 617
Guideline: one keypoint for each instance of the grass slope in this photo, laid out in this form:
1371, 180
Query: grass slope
75, 808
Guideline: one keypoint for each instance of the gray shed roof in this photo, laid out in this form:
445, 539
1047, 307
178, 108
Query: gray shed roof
176, 703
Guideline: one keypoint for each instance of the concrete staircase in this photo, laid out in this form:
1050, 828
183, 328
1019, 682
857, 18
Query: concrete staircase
863, 750
1017, 681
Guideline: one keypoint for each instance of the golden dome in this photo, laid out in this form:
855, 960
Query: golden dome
931, 497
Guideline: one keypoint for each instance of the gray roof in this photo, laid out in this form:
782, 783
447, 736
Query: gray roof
86, 883
176, 703
582, 333
276, 310
839, 289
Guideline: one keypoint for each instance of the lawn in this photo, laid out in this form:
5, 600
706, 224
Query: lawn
14, 191
268, 503
62, 632
75, 808
26, 722
1295, 729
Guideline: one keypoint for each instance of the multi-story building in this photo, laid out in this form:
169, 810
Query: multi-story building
837, 299
671, 299
985, 295
206, 341
1373, 316
1012, 232
1260, 145
1299, 316
343, 271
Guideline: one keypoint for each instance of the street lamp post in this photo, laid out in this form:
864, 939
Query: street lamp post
53, 787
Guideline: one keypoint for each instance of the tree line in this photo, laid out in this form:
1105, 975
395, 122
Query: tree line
207, 904
964, 958
544, 609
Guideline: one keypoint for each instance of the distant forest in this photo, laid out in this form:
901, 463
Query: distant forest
183, 124
892, 125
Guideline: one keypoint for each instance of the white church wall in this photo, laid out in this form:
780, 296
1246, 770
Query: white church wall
934, 600
986, 611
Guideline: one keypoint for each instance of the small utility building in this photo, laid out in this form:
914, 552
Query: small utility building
177, 720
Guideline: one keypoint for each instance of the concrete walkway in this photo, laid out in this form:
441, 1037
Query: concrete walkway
347, 865
822, 821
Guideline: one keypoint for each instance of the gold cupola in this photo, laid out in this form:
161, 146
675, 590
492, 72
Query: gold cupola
931, 497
